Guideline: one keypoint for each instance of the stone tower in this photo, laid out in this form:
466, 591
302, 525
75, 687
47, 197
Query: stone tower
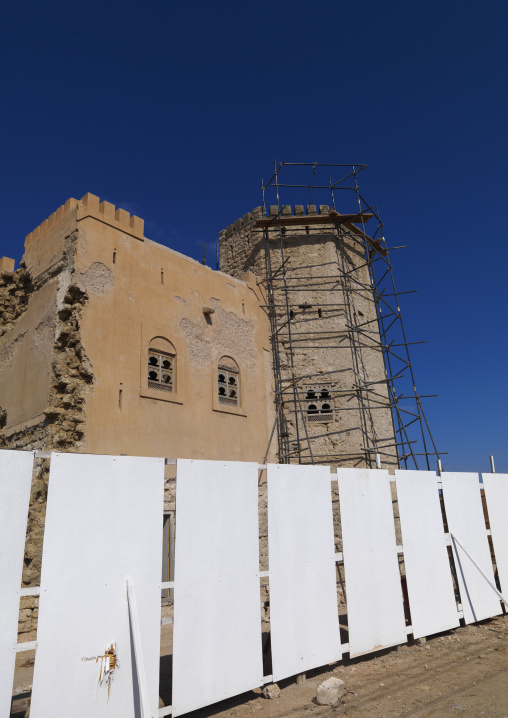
331, 388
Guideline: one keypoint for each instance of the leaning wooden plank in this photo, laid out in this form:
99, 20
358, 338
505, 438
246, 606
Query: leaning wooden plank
429, 579
464, 513
304, 616
15, 481
374, 593
217, 650
103, 526
496, 494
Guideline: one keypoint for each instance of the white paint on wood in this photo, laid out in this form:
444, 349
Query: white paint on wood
27, 646
30, 591
496, 494
374, 592
138, 649
103, 525
304, 616
464, 513
493, 586
217, 649
15, 481
429, 579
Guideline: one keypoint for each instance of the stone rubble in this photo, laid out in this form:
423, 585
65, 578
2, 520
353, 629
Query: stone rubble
330, 692
271, 691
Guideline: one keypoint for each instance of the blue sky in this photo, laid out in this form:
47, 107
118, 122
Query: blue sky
175, 112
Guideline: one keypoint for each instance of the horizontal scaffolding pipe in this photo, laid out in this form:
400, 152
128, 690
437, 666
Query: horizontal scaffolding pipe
314, 304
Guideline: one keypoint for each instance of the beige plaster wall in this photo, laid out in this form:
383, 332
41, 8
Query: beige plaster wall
46, 245
138, 290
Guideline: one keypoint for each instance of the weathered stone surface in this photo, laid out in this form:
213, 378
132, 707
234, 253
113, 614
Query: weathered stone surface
324, 267
330, 692
271, 691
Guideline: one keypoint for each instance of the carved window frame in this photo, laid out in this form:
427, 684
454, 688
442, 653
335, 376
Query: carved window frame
149, 334
229, 368
319, 408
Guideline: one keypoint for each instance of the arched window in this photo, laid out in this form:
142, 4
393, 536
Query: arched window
228, 382
161, 365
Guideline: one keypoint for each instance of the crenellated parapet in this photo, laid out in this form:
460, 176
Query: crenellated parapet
56, 220
45, 246
299, 211
91, 206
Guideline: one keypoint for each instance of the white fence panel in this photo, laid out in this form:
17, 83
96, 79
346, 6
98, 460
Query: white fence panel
15, 481
496, 494
428, 575
464, 513
304, 618
103, 526
374, 593
217, 649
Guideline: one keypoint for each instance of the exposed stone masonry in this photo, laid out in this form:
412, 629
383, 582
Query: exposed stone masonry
330, 310
15, 290
62, 425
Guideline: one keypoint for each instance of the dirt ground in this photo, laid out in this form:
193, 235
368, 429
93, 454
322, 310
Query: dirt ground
460, 672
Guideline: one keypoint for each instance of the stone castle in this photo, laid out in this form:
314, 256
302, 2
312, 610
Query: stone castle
113, 344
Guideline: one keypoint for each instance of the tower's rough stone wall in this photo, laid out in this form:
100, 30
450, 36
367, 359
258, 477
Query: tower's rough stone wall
327, 335
323, 298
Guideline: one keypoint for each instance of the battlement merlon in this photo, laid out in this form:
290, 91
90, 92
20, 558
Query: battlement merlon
44, 246
315, 216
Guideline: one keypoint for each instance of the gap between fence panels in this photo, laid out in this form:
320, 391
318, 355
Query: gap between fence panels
138, 652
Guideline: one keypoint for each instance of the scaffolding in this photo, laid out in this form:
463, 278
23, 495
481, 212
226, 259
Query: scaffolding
336, 301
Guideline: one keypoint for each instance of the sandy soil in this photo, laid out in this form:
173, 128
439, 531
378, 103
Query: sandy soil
461, 672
